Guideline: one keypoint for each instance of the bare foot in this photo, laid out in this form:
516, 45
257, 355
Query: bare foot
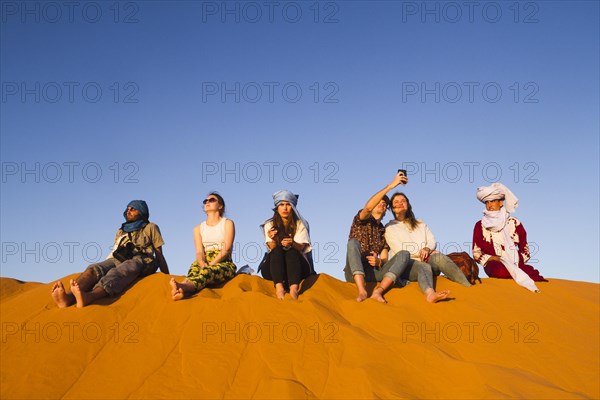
280, 293
59, 295
378, 295
434, 297
80, 297
362, 295
174, 286
178, 295
294, 292
176, 290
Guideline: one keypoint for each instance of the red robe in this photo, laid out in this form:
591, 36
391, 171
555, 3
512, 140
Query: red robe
484, 247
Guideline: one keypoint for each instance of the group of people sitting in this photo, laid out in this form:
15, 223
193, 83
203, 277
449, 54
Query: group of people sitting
403, 250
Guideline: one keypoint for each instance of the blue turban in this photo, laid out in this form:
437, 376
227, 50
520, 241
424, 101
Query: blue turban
286, 195
142, 208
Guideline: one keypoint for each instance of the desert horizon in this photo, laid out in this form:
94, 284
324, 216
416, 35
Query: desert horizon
493, 340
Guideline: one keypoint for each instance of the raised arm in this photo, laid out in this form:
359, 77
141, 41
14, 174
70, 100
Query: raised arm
376, 198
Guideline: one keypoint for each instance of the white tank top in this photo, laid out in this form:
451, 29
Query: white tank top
213, 237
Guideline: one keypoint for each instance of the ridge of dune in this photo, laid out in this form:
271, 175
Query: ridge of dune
11, 287
494, 340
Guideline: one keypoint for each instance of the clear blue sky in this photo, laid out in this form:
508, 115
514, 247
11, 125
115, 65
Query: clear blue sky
106, 102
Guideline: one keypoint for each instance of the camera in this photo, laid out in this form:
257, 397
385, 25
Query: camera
125, 252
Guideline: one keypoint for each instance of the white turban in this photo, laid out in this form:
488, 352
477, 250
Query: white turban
498, 191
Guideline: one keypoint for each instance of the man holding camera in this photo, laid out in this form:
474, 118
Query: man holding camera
137, 253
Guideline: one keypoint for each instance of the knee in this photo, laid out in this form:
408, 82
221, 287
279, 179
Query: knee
90, 269
495, 269
93, 270
403, 255
292, 255
277, 251
353, 245
425, 267
436, 257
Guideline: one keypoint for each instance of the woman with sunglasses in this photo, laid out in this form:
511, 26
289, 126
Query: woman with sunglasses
213, 239
289, 259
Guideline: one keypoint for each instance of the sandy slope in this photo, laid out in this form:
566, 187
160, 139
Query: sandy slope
495, 340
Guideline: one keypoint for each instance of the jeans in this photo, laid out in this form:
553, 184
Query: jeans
417, 271
391, 269
114, 276
441, 263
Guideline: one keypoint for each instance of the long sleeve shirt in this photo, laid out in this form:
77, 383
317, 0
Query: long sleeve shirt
399, 236
487, 243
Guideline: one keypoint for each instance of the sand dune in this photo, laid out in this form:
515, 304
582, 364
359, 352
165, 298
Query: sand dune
495, 340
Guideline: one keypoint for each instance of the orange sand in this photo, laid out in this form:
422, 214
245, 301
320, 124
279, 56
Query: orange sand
495, 340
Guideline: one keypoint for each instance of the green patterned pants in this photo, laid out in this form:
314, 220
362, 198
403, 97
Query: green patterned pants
211, 274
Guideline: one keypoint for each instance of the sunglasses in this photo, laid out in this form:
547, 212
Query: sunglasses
209, 200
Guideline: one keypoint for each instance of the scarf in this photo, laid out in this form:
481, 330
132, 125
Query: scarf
286, 195
132, 226
497, 221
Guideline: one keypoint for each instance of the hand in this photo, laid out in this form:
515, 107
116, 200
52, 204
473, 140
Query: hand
287, 242
398, 180
202, 264
404, 179
373, 259
272, 233
424, 253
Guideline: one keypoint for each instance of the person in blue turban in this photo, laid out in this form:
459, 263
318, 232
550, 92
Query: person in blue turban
137, 252
289, 258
